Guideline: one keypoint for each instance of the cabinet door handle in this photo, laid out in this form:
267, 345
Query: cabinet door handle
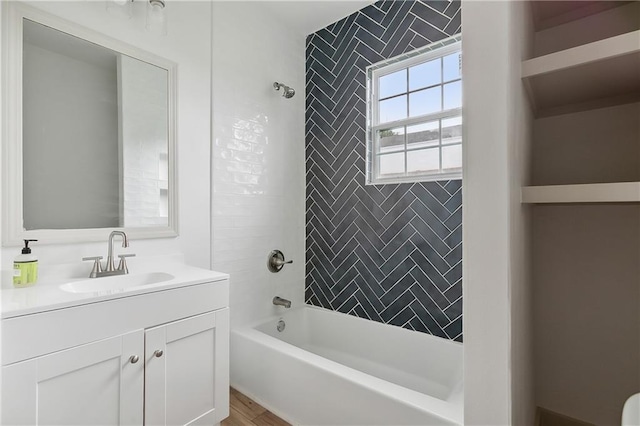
158, 353
133, 359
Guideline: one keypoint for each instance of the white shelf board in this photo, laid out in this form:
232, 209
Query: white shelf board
600, 50
603, 69
619, 192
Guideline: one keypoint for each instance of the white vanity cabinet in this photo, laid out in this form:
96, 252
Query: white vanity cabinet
180, 370
160, 358
91, 384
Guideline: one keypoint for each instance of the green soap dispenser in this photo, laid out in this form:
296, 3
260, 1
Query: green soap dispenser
25, 267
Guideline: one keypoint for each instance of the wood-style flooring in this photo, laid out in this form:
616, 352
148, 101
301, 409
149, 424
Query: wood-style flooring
244, 411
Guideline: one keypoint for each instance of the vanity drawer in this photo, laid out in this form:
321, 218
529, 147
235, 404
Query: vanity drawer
34, 335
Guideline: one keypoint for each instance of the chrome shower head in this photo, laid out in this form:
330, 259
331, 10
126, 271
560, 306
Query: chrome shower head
287, 91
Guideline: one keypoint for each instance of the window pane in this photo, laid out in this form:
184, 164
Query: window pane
424, 75
453, 95
423, 135
423, 161
451, 157
391, 164
391, 140
425, 102
451, 66
393, 84
393, 109
452, 130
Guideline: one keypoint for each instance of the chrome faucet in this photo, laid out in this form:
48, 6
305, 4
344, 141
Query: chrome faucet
279, 301
110, 268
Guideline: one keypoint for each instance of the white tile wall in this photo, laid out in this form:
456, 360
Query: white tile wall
258, 157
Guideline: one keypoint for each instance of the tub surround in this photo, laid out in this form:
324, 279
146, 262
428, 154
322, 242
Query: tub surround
390, 253
258, 156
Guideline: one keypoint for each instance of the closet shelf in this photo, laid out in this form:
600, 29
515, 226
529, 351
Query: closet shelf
619, 192
604, 69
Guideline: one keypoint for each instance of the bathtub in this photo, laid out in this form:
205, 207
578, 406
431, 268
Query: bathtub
329, 368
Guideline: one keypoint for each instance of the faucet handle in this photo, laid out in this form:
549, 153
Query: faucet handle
275, 261
92, 258
97, 266
122, 265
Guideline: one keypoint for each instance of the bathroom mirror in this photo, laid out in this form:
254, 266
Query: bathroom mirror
91, 144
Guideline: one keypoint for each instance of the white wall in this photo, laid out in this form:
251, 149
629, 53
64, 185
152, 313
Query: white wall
497, 324
258, 157
187, 44
3, 51
485, 210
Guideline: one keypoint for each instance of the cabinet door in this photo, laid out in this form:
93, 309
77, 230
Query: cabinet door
187, 371
93, 384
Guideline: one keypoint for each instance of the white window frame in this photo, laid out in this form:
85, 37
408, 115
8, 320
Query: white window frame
374, 73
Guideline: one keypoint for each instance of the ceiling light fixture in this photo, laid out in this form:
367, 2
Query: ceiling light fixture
156, 16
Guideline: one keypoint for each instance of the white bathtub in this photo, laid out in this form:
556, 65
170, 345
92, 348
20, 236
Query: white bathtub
328, 368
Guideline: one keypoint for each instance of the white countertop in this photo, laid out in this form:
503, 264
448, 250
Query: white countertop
47, 295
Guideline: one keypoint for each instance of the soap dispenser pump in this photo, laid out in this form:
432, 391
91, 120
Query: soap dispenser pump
25, 267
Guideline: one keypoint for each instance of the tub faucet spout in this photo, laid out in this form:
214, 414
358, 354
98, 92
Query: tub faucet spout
279, 301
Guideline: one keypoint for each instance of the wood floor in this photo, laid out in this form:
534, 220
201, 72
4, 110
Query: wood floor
243, 411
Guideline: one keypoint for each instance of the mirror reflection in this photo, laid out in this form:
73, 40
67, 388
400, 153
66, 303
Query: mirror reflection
95, 135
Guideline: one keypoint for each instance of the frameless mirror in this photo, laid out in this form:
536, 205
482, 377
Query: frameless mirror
97, 146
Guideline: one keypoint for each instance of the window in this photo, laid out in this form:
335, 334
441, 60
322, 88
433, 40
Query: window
414, 123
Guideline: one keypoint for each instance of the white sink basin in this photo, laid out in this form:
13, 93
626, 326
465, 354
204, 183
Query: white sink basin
116, 283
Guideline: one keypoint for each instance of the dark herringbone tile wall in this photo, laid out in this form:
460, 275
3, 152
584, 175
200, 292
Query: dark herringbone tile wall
389, 253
